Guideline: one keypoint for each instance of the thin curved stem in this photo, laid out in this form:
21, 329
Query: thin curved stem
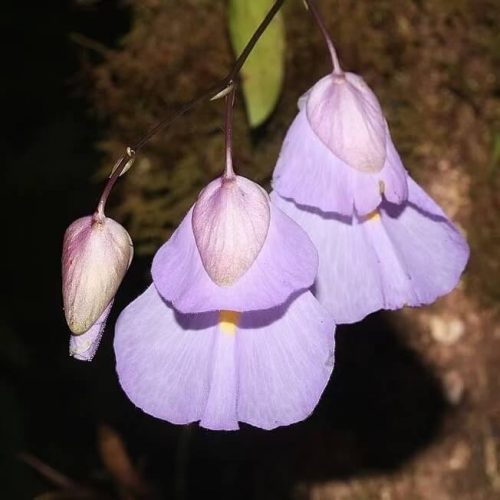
168, 119
228, 134
118, 169
313, 9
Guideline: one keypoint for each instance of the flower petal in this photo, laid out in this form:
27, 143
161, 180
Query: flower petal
287, 263
432, 250
220, 412
311, 175
164, 366
285, 358
348, 282
345, 114
403, 255
230, 223
185, 368
394, 176
366, 195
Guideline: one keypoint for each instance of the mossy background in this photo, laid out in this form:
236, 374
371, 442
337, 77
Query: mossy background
410, 413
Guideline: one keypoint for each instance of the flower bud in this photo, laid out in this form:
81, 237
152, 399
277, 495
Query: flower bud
230, 223
97, 252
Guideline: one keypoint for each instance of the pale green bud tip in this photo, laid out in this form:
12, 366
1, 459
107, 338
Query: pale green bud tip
83, 347
97, 252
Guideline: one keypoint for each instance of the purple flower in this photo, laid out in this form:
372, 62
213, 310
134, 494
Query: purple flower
228, 332
408, 254
338, 154
382, 242
266, 368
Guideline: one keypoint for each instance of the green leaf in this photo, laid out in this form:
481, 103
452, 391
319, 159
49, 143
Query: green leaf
263, 72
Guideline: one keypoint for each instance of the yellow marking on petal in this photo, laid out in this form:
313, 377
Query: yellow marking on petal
228, 321
373, 216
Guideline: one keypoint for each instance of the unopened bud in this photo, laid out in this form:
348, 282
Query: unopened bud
97, 252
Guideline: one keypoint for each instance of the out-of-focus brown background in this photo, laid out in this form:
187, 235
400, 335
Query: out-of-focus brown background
413, 407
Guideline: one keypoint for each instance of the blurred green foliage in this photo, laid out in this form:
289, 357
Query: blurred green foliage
263, 73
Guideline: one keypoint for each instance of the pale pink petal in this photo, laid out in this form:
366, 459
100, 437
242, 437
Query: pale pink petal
345, 114
230, 224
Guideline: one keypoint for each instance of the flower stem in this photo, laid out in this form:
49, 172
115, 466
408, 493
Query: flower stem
313, 9
228, 134
208, 94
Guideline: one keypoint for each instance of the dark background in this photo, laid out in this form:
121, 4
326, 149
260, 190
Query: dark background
383, 406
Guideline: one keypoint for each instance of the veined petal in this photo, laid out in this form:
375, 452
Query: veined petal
285, 358
230, 224
309, 173
345, 114
286, 263
269, 371
348, 283
400, 255
431, 249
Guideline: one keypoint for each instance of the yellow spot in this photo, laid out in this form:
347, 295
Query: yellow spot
228, 321
373, 216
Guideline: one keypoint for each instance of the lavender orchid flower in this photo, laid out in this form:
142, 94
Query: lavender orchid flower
228, 331
382, 241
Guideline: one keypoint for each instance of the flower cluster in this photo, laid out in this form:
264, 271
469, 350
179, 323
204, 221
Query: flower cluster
238, 323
